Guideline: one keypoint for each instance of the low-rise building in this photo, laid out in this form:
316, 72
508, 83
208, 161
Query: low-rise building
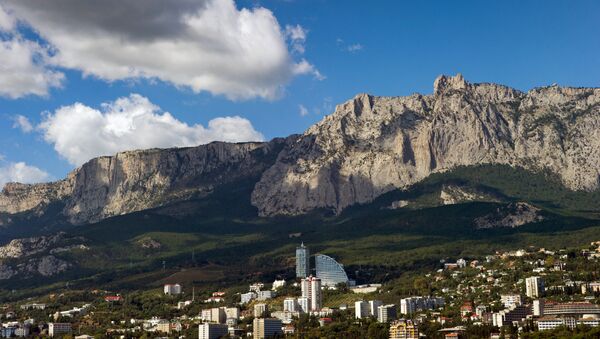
57, 329
404, 329
172, 289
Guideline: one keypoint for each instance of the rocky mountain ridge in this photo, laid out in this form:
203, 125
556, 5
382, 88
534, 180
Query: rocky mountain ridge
369, 146
137, 180
372, 145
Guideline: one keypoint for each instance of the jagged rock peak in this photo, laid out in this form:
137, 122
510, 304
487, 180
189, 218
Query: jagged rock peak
444, 83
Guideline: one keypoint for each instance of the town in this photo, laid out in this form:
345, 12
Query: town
527, 293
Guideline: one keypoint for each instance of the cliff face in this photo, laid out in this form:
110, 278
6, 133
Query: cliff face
372, 145
137, 180
368, 146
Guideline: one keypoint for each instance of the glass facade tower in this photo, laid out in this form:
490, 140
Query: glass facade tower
330, 271
302, 261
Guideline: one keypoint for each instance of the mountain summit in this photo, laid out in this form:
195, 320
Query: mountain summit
369, 146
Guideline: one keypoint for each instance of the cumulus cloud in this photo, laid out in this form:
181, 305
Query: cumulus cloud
79, 132
23, 67
22, 122
206, 45
21, 172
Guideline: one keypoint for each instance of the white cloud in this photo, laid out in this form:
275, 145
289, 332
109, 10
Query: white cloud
21, 172
23, 63
351, 48
23, 123
303, 111
206, 45
354, 48
297, 37
79, 132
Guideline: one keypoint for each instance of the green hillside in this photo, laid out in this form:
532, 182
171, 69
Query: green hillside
219, 241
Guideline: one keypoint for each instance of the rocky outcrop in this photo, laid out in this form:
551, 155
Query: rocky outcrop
371, 145
45, 266
138, 180
512, 215
19, 248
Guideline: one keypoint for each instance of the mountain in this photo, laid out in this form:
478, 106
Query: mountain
373, 145
138, 180
369, 146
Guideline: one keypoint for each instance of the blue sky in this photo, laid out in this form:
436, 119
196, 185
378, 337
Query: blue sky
382, 48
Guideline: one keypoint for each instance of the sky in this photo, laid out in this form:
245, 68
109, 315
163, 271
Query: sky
80, 79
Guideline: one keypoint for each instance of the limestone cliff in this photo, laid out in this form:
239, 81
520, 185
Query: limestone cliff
138, 180
371, 145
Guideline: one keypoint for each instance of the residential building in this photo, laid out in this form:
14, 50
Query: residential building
277, 284
57, 329
361, 309
164, 326
330, 271
302, 261
311, 289
266, 327
172, 289
552, 322
264, 295
232, 313
304, 304
386, 313
212, 331
373, 305
510, 300
247, 297
290, 305
461, 263
593, 287
33, 306
414, 304
260, 310
534, 287
404, 329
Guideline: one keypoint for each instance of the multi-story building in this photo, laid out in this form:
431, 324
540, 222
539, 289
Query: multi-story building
571, 308
361, 309
414, 304
510, 300
247, 297
404, 329
593, 287
57, 329
538, 307
386, 313
373, 305
264, 295
551, 322
311, 289
330, 271
212, 331
266, 327
290, 305
534, 287
232, 313
259, 310
302, 261
304, 304
172, 289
